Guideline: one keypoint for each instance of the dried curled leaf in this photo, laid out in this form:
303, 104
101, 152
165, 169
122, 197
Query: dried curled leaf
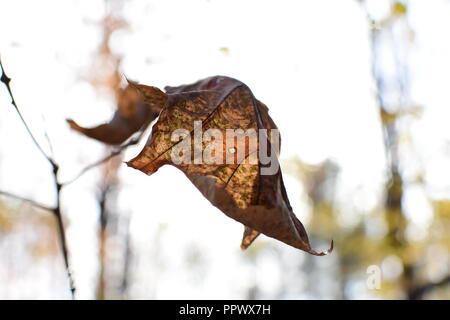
250, 235
239, 190
132, 115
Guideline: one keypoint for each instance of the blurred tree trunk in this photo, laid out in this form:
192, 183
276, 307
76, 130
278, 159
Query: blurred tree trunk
394, 102
107, 75
108, 188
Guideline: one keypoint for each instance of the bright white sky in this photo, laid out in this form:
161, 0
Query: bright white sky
309, 61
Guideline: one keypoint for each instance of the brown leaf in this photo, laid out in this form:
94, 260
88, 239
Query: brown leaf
132, 115
259, 201
250, 235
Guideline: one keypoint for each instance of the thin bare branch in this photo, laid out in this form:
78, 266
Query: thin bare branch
61, 231
6, 80
114, 153
47, 137
58, 186
32, 202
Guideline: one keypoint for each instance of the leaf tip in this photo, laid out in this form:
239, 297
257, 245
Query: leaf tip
73, 125
331, 247
249, 236
131, 82
323, 253
132, 164
245, 245
129, 164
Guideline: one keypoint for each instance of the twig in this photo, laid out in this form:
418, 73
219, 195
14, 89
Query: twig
32, 202
48, 139
55, 168
6, 80
114, 153
61, 231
